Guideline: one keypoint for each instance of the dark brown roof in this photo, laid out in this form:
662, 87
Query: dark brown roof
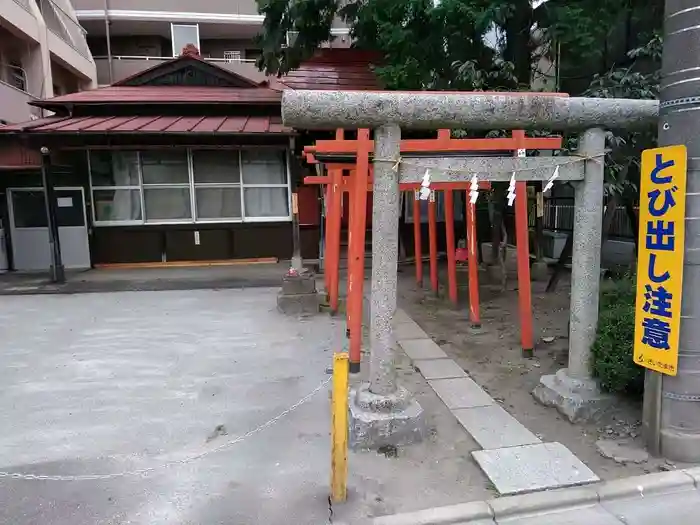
335, 69
242, 125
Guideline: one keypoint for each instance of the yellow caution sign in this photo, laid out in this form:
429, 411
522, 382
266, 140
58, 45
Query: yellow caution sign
660, 262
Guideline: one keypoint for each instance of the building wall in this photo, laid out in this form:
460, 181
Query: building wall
124, 231
216, 242
172, 242
241, 7
37, 41
136, 45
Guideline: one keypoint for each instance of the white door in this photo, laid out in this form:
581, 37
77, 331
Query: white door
30, 233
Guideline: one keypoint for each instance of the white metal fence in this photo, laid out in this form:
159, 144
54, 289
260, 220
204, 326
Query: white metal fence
559, 215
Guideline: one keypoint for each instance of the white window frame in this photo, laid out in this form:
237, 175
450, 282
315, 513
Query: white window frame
167, 186
193, 198
234, 55
176, 52
204, 185
288, 185
93, 188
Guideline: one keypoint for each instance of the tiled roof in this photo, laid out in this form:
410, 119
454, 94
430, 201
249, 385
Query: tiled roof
335, 69
242, 125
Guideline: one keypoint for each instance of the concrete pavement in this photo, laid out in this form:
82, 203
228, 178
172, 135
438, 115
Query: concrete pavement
667, 497
103, 383
147, 279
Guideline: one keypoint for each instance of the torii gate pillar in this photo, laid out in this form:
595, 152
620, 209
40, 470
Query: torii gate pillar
381, 411
572, 390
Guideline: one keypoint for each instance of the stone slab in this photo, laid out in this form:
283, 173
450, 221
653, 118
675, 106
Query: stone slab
402, 317
439, 368
422, 349
461, 392
408, 330
515, 470
683, 508
492, 427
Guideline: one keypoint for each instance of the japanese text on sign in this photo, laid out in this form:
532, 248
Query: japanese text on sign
660, 262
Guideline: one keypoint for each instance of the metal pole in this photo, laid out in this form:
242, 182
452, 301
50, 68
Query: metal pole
585, 262
339, 428
297, 264
385, 250
109, 43
679, 396
58, 274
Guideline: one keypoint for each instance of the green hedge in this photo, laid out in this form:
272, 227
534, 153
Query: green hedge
613, 348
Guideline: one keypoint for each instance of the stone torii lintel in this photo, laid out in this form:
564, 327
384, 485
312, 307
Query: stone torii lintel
494, 169
315, 109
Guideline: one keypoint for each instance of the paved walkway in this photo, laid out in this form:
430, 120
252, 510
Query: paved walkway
513, 458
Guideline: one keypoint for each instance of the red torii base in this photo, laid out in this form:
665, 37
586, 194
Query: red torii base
359, 183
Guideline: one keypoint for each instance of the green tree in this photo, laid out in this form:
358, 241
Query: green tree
599, 47
457, 44
640, 79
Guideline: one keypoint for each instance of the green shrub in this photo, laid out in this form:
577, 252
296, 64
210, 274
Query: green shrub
612, 354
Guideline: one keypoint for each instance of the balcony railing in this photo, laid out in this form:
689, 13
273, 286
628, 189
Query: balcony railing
14, 105
559, 216
124, 66
161, 59
14, 76
25, 5
63, 26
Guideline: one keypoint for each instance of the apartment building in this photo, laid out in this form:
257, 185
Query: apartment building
130, 36
180, 155
43, 53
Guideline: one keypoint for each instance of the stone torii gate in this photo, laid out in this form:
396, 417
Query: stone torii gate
382, 412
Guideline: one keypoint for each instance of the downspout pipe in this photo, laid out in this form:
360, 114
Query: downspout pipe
109, 44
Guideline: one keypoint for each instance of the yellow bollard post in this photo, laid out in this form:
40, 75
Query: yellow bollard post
339, 430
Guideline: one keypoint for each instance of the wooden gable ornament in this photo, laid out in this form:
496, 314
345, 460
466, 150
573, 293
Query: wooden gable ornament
189, 69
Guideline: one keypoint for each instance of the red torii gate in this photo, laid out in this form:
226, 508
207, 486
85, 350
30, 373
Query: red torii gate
359, 183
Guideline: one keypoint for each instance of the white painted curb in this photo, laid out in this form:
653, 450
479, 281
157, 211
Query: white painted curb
491, 511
